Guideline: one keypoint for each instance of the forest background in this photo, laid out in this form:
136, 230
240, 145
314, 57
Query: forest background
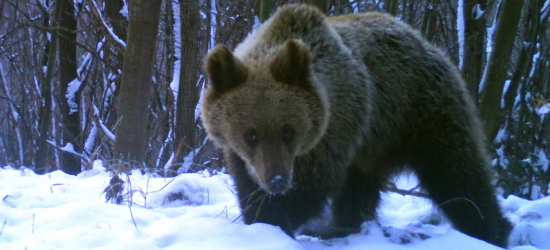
76, 74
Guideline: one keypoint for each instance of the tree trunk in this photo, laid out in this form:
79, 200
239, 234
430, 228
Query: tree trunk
114, 56
499, 60
133, 113
394, 7
67, 73
410, 12
169, 46
265, 10
117, 20
187, 90
474, 44
45, 113
429, 19
321, 4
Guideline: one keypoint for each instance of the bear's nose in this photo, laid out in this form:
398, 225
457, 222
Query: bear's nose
278, 184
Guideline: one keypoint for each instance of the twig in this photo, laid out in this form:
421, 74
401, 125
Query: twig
108, 32
3, 226
130, 201
83, 157
97, 122
411, 192
55, 184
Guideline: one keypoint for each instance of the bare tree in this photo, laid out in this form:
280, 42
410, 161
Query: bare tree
265, 10
474, 44
189, 76
133, 113
45, 115
67, 75
498, 64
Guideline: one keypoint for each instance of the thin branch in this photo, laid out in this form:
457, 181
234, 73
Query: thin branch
83, 157
392, 188
108, 31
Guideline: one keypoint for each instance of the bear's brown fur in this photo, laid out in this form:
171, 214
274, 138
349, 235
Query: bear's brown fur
310, 108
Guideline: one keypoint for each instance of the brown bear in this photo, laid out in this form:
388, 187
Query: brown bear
310, 109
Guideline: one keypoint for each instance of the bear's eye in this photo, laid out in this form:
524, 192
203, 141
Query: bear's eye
287, 133
251, 137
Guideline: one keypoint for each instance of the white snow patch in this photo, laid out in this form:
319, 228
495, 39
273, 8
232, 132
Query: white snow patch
108, 28
107, 132
477, 11
543, 110
489, 48
542, 160
504, 90
124, 10
72, 88
200, 211
531, 220
502, 157
69, 148
536, 57
89, 144
460, 29
174, 85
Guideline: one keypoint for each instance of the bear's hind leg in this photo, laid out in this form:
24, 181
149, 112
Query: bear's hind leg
453, 169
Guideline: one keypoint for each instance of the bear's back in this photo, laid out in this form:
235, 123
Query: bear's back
411, 78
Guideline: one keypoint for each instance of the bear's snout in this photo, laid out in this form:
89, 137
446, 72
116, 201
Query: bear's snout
278, 184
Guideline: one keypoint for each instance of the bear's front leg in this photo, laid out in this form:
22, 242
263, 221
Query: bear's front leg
288, 210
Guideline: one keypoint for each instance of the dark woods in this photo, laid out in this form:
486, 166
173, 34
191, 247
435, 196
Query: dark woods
62, 68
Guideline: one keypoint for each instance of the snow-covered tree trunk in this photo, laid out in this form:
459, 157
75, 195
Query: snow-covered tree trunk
474, 44
497, 65
67, 74
188, 78
14, 115
45, 113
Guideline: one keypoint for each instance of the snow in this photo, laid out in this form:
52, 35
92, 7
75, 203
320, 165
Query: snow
107, 132
107, 27
174, 85
477, 11
460, 28
124, 10
59, 211
536, 57
198, 110
542, 160
213, 23
545, 8
69, 148
109, 93
72, 88
544, 109
504, 91
488, 49
90, 140
502, 157
532, 222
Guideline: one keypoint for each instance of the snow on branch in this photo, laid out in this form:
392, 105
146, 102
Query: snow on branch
69, 148
119, 43
72, 90
98, 124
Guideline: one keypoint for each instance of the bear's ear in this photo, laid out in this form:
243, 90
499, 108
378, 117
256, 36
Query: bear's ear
292, 64
224, 70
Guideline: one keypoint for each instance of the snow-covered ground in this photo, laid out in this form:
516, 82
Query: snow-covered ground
59, 211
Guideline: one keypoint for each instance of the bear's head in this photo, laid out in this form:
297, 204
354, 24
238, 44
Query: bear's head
267, 109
